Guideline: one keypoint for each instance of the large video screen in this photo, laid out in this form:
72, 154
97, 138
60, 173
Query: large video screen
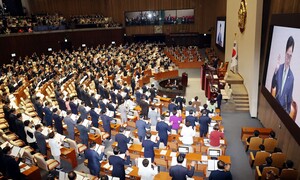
283, 74
220, 32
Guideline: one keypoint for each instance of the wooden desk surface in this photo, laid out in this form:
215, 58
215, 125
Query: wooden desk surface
217, 118
226, 159
32, 173
165, 176
135, 147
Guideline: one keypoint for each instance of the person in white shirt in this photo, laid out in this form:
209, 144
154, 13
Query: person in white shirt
187, 133
29, 131
55, 148
146, 171
153, 115
212, 105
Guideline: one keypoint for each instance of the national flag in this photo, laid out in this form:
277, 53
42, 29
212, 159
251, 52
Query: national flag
234, 58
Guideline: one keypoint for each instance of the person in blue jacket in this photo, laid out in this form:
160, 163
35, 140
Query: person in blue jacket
149, 146
95, 117
93, 159
122, 140
118, 163
162, 128
179, 172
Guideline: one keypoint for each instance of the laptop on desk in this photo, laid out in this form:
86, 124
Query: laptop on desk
92, 131
183, 149
214, 153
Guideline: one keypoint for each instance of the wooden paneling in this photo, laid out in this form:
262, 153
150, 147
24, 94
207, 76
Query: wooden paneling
26, 44
65, 7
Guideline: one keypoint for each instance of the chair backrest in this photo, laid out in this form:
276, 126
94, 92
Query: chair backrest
266, 171
288, 174
73, 144
41, 161
254, 143
260, 158
278, 159
27, 154
97, 130
270, 144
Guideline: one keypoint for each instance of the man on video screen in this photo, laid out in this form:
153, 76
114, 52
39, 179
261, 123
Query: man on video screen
283, 78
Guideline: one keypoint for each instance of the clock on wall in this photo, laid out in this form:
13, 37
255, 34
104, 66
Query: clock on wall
242, 15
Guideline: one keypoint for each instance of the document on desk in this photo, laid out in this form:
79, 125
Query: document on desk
222, 141
87, 108
86, 123
59, 138
127, 134
45, 131
204, 158
106, 166
15, 151
24, 168
212, 165
99, 148
153, 138
173, 154
163, 152
215, 76
74, 117
128, 170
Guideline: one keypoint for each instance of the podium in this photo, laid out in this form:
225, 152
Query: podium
184, 79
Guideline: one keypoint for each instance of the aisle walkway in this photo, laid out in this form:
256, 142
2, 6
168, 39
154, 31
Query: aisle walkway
232, 121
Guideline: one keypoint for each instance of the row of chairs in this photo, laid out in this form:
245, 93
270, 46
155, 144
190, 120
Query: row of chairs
255, 142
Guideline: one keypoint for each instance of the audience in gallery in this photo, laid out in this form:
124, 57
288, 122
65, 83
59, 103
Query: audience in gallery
48, 22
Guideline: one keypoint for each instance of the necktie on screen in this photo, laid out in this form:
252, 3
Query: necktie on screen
283, 80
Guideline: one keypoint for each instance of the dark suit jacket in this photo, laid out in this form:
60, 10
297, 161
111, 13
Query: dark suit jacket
171, 107
118, 166
58, 123
83, 133
204, 121
20, 130
220, 175
61, 104
191, 119
113, 97
285, 97
93, 160
163, 129
12, 168
145, 108
138, 96
122, 141
94, 117
119, 98
94, 102
41, 142
12, 122
149, 148
74, 107
179, 172
48, 116
106, 123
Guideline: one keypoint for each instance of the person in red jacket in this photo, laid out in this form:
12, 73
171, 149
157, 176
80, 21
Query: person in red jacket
215, 136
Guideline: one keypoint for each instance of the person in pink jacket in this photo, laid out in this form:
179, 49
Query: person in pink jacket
176, 120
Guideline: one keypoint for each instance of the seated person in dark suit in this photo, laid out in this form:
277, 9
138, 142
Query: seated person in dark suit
255, 134
289, 164
179, 172
118, 163
268, 163
222, 173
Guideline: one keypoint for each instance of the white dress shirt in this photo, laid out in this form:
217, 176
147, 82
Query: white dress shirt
54, 147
